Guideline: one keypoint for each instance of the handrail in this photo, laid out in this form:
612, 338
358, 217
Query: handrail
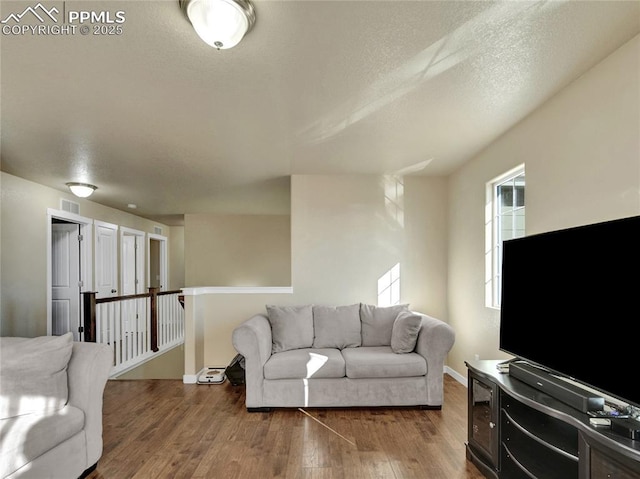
134, 296
111, 299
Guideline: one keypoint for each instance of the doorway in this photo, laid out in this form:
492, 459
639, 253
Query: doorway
69, 271
158, 262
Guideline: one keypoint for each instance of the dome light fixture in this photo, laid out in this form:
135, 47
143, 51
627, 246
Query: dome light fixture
82, 190
220, 23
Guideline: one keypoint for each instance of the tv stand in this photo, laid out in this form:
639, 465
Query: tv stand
518, 431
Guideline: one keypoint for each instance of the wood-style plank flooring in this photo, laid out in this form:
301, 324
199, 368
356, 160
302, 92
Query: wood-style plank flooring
167, 429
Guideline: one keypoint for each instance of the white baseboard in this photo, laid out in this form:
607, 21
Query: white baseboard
455, 375
190, 378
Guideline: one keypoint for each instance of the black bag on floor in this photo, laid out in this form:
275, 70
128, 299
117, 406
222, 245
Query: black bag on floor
235, 371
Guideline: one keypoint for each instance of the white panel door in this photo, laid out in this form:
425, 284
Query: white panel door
106, 260
65, 279
132, 258
128, 254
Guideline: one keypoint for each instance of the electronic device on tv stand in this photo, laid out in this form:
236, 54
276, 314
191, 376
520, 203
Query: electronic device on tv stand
575, 396
626, 427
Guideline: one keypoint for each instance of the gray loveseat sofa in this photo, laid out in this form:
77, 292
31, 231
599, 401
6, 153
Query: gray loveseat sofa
51, 391
344, 356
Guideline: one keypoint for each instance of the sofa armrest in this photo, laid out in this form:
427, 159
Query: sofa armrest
252, 339
87, 373
435, 340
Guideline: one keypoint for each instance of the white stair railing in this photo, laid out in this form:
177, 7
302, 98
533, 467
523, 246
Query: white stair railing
137, 327
170, 321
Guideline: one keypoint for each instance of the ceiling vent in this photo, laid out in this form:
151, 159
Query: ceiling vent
69, 206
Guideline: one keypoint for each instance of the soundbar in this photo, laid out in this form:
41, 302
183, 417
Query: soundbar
568, 393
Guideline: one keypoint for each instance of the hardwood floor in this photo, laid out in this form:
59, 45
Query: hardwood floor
167, 429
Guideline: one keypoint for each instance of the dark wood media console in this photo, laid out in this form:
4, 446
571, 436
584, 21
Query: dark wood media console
516, 431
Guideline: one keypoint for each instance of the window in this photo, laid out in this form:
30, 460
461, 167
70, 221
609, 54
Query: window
394, 198
389, 287
505, 219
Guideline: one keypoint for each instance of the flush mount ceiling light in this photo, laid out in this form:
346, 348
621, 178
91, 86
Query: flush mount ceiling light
81, 190
220, 23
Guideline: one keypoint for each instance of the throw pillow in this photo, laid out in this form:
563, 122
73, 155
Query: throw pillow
33, 374
377, 323
291, 327
336, 327
405, 332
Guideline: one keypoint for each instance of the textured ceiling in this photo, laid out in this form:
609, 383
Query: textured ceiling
154, 116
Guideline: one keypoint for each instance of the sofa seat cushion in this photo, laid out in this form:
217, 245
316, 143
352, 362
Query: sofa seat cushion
305, 363
382, 362
24, 438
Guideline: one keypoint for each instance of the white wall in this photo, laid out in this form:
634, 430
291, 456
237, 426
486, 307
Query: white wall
343, 238
176, 258
237, 250
581, 151
348, 231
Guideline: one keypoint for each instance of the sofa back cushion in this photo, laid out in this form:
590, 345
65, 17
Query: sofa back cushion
404, 334
337, 327
33, 374
377, 323
291, 327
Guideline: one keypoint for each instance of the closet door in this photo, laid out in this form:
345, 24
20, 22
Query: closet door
106, 262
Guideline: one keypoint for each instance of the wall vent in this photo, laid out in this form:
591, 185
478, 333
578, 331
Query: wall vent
157, 230
70, 206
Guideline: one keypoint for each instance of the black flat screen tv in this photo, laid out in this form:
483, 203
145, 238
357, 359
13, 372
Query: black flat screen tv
571, 304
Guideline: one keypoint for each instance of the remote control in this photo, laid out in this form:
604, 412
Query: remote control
608, 414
